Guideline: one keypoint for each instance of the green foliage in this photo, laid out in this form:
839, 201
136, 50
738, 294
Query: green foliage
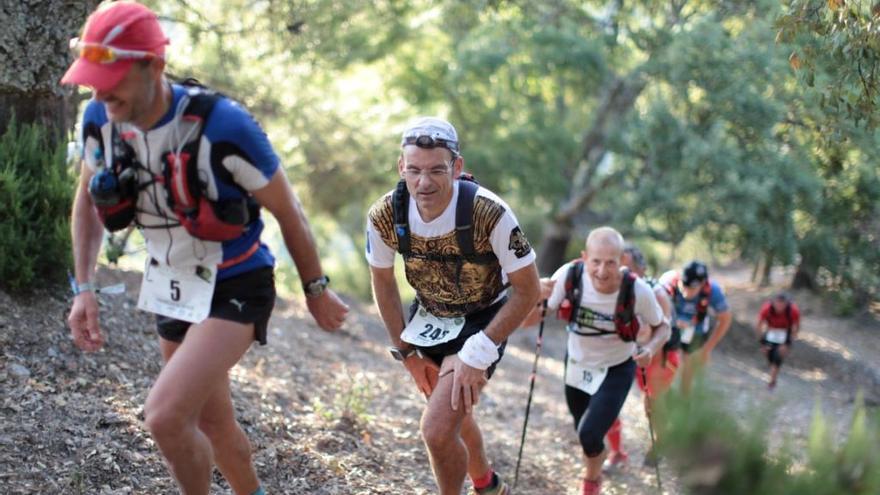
351, 400
837, 54
36, 192
718, 454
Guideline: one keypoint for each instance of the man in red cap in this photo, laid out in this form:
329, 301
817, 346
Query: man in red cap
191, 169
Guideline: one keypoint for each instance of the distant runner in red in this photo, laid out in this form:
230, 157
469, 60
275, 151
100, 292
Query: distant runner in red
779, 322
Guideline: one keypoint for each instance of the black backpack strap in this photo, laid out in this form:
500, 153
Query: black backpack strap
624, 313
464, 217
400, 207
626, 297
703, 302
574, 286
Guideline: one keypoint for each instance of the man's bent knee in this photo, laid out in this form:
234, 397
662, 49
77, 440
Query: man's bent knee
227, 432
439, 434
592, 444
164, 423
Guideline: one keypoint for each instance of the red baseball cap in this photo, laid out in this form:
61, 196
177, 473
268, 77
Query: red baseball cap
114, 36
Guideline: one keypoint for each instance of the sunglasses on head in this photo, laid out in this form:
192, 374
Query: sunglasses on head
430, 142
104, 54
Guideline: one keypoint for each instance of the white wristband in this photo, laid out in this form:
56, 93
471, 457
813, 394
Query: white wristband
478, 351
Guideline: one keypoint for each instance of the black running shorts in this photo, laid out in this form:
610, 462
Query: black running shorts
245, 298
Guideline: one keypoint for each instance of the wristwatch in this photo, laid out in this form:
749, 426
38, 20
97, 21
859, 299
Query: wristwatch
316, 287
401, 354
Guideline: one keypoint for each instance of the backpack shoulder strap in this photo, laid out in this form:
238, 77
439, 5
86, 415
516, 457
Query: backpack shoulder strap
464, 217
671, 286
180, 162
703, 302
574, 287
626, 296
624, 313
400, 207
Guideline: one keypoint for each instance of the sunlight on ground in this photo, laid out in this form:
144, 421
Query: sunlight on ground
826, 345
814, 375
747, 369
553, 365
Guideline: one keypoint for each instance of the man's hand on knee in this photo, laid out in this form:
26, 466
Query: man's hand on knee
467, 382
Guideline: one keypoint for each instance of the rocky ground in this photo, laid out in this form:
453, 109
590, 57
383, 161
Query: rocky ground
334, 414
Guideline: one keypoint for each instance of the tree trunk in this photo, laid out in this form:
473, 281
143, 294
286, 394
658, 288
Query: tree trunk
804, 277
554, 245
619, 99
33, 56
768, 267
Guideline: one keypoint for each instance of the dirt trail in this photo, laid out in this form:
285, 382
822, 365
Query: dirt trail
334, 414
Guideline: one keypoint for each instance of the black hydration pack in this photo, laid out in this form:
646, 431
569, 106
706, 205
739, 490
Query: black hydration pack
464, 228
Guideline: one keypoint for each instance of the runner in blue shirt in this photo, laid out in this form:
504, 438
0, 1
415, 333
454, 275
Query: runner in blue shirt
191, 169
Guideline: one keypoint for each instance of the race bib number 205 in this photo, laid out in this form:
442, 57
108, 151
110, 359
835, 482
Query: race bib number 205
180, 293
427, 330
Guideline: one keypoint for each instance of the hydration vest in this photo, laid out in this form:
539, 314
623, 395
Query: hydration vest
705, 296
787, 315
626, 324
115, 189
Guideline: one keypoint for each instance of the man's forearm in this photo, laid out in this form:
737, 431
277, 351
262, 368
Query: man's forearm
390, 306
660, 335
510, 315
301, 245
86, 234
721, 328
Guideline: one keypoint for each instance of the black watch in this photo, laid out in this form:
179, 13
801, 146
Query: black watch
401, 354
316, 287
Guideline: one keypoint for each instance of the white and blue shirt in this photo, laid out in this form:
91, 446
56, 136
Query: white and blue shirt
232, 144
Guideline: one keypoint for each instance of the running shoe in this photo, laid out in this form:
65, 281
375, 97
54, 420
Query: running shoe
615, 460
592, 487
499, 487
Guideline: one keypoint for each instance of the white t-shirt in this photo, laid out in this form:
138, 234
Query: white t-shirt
510, 255
605, 350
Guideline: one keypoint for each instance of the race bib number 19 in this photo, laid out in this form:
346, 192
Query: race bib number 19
180, 293
427, 330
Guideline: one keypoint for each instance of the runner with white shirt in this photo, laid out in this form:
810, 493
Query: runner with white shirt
602, 352
462, 248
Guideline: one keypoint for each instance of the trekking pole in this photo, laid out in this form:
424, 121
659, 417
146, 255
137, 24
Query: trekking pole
538, 344
651, 431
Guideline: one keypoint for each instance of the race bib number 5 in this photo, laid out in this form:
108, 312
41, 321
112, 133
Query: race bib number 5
180, 293
583, 377
427, 330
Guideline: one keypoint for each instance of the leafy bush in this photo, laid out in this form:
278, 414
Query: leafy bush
36, 191
715, 453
